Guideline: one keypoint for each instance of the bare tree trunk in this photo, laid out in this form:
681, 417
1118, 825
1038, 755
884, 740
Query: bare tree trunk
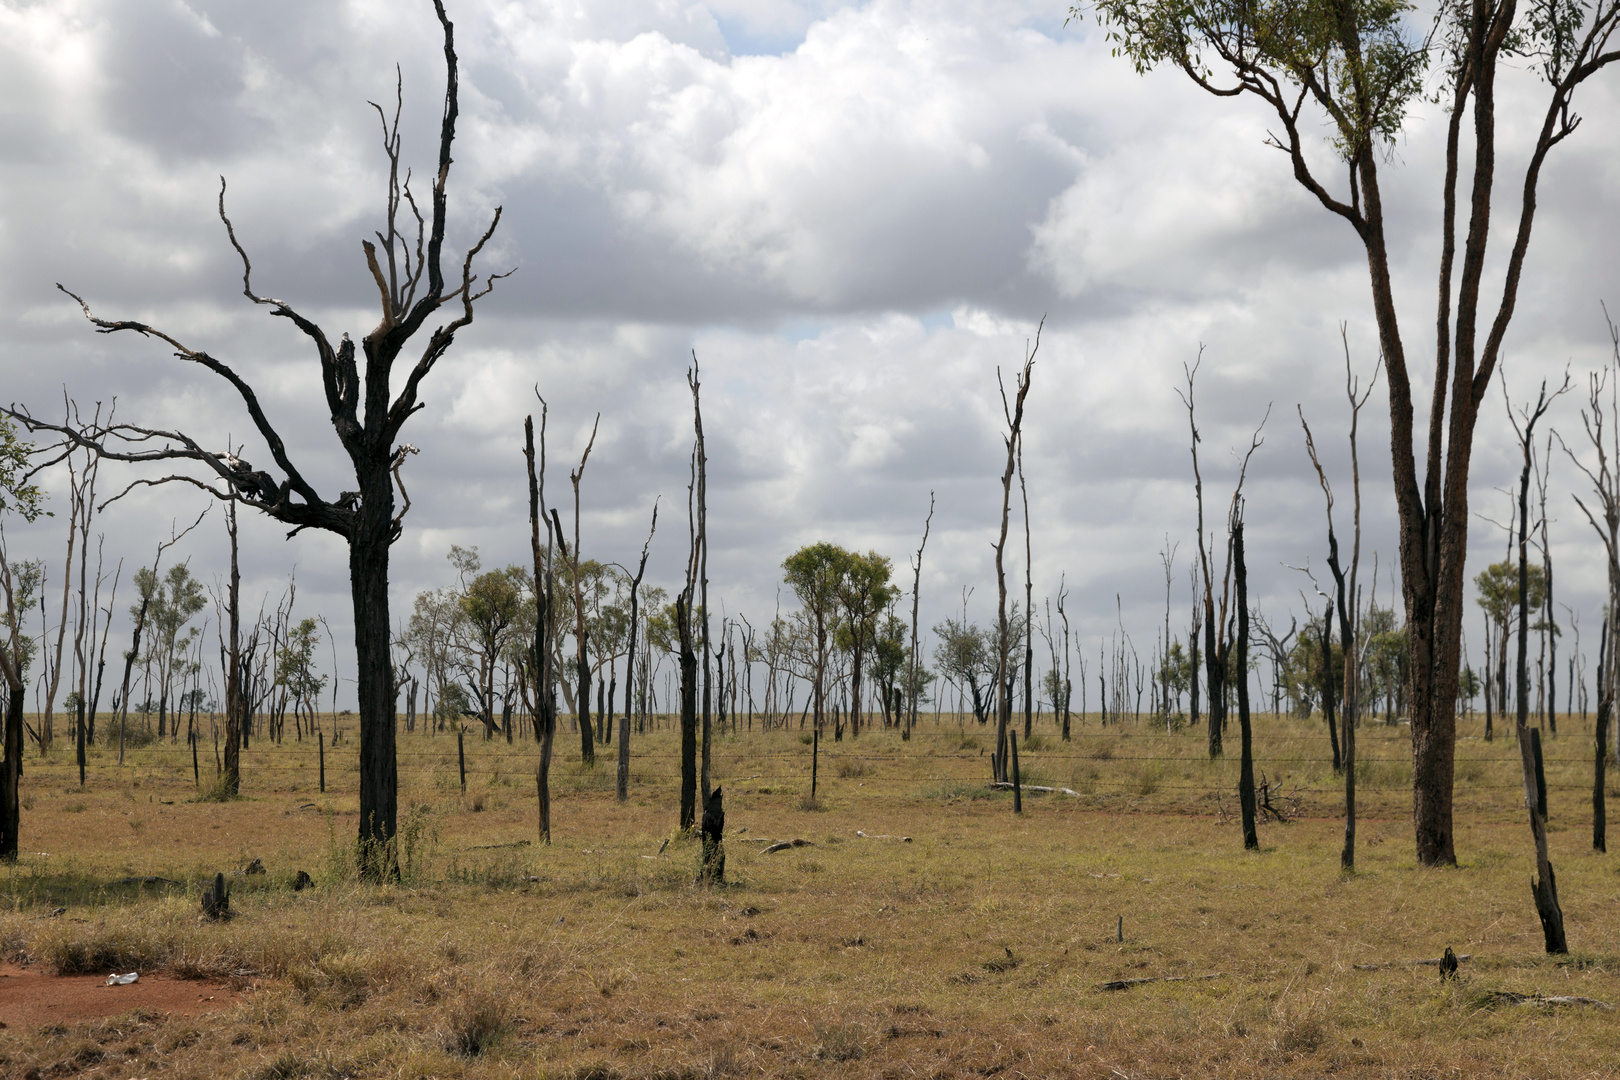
1251, 838
1014, 416
540, 652
235, 698
623, 777
913, 689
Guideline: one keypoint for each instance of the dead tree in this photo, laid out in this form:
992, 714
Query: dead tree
1251, 838
623, 777
1346, 599
545, 619
1014, 416
913, 674
1217, 619
582, 668
701, 566
1602, 411
1544, 888
1029, 607
368, 416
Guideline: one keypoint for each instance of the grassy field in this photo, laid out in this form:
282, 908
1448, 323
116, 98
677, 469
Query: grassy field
975, 948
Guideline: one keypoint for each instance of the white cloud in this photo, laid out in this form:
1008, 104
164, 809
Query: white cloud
854, 212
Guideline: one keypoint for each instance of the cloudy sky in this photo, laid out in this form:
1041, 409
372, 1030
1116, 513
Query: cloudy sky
853, 213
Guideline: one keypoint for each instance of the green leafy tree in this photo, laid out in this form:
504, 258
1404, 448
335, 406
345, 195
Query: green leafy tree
863, 593
815, 573
295, 668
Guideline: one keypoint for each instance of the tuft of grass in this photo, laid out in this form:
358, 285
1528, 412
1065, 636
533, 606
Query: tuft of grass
477, 1022
849, 768
838, 1042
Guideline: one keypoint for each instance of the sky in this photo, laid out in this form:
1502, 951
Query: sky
854, 215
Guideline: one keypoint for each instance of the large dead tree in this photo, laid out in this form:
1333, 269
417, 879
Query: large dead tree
367, 413
1359, 70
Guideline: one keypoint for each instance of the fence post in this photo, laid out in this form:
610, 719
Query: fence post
321, 748
461, 756
196, 773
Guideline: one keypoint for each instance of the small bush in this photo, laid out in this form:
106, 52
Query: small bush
850, 768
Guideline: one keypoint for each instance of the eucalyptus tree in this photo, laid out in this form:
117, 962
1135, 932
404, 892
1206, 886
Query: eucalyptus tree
816, 573
863, 592
367, 414
19, 495
1361, 70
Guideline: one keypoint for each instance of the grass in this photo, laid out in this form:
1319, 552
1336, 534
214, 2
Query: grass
974, 950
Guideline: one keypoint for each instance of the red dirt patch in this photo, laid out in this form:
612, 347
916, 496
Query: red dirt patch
29, 998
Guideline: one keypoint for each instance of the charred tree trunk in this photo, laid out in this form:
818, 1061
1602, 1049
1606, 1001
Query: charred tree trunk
540, 653
1251, 839
11, 772
1600, 759
689, 717
1327, 686
235, 697
379, 771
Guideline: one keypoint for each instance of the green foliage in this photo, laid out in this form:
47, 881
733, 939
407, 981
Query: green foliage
1498, 586
294, 662
1360, 63
15, 495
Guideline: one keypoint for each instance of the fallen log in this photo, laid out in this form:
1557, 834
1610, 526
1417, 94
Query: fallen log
492, 847
783, 845
1508, 997
1126, 984
150, 879
872, 836
1003, 785
1408, 963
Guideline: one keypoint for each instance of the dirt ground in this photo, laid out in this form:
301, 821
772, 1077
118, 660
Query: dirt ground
33, 998
980, 948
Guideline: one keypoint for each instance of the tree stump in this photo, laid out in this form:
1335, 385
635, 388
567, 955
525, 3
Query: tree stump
216, 902
714, 849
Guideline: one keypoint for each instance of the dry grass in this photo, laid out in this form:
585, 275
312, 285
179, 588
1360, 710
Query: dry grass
974, 950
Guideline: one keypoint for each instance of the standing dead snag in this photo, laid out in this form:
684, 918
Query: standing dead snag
1251, 839
1544, 888
582, 668
1605, 481
1014, 415
1347, 603
913, 685
1217, 619
545, 620
368, 416
623, 777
